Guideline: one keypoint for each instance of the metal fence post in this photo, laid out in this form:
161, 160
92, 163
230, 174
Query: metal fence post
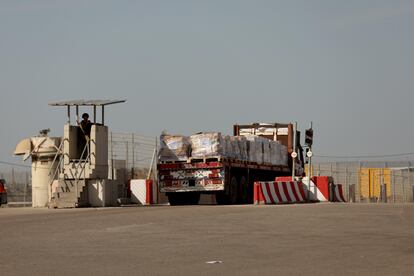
403, 187
112, 156
25, 188
358, 183
127, 159
133, 157
346, 181
382, 182
393, 186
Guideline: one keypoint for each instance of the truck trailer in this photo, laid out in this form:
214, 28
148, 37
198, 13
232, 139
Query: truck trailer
264, 152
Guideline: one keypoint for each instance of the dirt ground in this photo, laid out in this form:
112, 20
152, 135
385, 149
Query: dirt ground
323, 239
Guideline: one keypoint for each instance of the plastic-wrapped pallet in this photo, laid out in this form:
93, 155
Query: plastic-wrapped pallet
234, 141
242, 147
207, 144
174, 148
273, 153
266, 151
227, 147
251, 148
284, 155
279, 157
255, 148
259, 149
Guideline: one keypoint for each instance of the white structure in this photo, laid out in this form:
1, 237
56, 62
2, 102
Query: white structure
43, 150
72, 171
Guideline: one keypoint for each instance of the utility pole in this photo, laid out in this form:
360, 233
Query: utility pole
309, 141
294, 153
309, 154
133, 156
112, 158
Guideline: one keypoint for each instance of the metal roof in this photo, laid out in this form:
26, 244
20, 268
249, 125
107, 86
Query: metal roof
87, 102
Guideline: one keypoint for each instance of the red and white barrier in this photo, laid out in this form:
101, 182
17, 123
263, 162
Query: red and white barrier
338, 193
319, 186
279, 192
142, 191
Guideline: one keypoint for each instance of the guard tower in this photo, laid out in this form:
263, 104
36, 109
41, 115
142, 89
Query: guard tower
83, 160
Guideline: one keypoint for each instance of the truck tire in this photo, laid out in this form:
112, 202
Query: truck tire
224, 198
183, 198
243, 191
193, 198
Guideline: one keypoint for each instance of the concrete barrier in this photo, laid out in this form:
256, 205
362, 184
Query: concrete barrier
142, 191
278, 192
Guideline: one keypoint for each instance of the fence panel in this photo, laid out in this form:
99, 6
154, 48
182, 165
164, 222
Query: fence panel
370, 184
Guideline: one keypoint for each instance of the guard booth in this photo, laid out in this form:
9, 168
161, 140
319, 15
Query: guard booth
82, 173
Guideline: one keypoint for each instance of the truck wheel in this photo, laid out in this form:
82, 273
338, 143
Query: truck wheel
184, 198
193, 198
243, 190
221, 198
174, 199
231, 198
233, 191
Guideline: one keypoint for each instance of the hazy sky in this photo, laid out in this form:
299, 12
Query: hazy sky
189, 66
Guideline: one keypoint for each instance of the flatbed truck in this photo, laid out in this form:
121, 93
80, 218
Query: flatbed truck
230, 180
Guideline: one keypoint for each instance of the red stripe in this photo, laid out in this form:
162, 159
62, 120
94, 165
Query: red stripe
256, 193
302, 192
341, 194
268, 192
284, 185
148, 197
298, 186
292, 185
213, 181
336, 199
278, 192
261, 196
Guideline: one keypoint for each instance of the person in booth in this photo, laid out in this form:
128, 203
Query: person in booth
86, 125
85, 134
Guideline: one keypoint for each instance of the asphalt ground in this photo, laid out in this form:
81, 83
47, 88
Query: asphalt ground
306, 239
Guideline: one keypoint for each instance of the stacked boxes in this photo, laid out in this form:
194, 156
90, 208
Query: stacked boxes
275, 153
207, 144
235, 148
174, 148
212, 144
242, 143
266, 151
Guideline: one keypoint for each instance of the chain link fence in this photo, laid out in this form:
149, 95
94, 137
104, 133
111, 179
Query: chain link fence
18, 184
130, 156
133, 152
134, 156
371, 181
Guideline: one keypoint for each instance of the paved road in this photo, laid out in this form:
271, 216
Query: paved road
323, 239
